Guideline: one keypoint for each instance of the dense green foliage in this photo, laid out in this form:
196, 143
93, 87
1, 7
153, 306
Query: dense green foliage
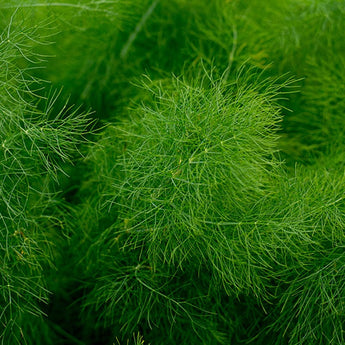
172, 172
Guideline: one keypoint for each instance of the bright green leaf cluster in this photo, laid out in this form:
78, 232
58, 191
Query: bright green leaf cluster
201, 200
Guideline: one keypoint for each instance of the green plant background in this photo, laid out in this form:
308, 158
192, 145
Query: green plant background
172, 172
